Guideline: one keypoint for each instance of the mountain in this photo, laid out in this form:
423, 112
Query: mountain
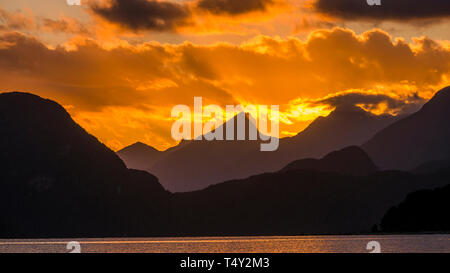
351, 160
345, 126
57, 180
200, 164
421, 211
431, 167
139, 156
296, 202
419, 138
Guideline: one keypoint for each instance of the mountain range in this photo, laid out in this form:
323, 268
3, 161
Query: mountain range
200, 164
59, 181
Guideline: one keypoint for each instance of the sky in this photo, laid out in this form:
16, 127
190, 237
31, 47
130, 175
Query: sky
120, 66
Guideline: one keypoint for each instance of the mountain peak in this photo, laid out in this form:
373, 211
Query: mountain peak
139, 156
416, 139
249, 124
18, 94
29, 102
47, 159
138, 146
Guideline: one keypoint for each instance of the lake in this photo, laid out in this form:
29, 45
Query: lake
273, 244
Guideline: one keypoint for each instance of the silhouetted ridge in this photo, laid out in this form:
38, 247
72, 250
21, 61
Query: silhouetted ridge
139, 146
57, 180
421, 211
419, 138
351, 160
203, 163
431, 167
241, 118
294, 202
139, 156
439, 102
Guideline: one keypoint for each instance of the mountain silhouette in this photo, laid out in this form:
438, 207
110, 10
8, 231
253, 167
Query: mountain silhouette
204, 163
431, 167
351, 160
416, 139
345, 126
421, 211
296, 202
139, 156
201, 163
57, 179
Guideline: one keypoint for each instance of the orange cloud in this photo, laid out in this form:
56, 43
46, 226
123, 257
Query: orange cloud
123, 93
66, 25
15, 20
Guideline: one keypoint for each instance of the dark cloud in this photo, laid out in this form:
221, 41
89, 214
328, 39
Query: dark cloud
90, 77
401, 10
233, 7
144, 14
371, 101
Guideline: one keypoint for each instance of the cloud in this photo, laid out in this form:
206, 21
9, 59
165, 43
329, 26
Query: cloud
327, 60
306, 25
132, 88
373, 101
189, 16
21, 21
398, 10
233, 7
15, 20
65, 25
144, 14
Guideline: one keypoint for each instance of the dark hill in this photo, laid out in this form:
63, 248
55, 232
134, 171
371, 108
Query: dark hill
421, 211
351, 160
58, 180
432, 167
296, 202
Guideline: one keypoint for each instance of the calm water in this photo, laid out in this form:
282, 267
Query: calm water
295, 244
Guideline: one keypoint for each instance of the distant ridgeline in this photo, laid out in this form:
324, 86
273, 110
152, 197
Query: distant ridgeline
200, 164
58, 181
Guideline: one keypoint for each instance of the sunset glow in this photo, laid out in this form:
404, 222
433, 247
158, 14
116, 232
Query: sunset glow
119, 76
